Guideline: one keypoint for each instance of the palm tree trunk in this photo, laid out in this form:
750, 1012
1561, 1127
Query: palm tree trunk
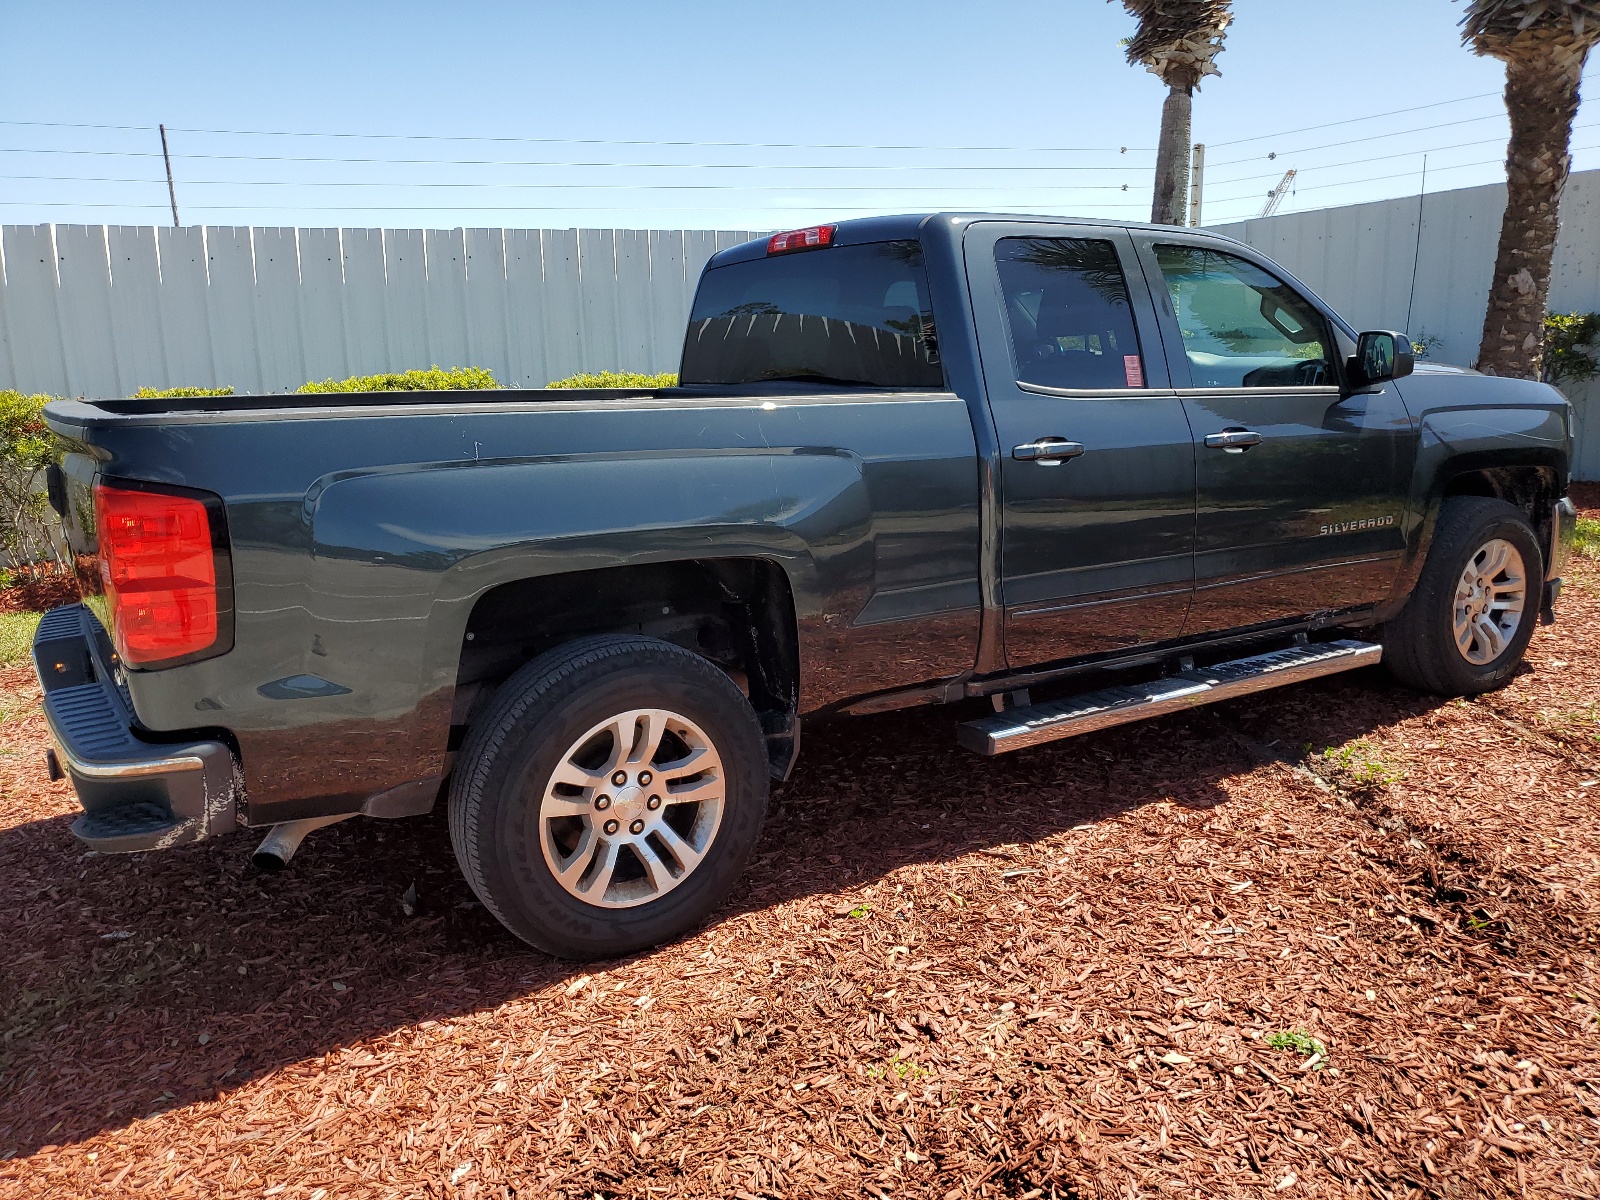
1171, 196
1541, 100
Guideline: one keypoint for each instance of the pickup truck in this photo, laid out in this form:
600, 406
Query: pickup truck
1093, 472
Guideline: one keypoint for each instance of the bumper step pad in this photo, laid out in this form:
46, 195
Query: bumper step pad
1049, 722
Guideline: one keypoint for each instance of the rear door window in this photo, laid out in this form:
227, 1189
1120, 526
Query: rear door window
856, 315
1067, 308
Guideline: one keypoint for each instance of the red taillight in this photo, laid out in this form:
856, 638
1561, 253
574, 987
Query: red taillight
160, 573
813, 238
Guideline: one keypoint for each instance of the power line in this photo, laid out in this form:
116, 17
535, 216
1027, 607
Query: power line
1350, 162
1487, 162
631, 166
663, 187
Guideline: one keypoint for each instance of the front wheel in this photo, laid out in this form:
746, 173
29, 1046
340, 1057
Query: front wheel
1468, 622
609, 797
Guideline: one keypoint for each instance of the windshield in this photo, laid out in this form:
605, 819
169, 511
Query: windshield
846, 315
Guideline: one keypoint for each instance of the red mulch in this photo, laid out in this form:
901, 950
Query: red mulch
1053, 974
39, 592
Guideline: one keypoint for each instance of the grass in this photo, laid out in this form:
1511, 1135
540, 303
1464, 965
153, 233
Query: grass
16, 636
1587, 541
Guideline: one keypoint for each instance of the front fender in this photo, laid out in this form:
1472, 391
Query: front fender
1457, 439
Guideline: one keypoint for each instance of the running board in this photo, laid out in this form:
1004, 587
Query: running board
1085, 713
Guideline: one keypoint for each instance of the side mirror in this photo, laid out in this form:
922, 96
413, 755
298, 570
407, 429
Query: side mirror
1381, 355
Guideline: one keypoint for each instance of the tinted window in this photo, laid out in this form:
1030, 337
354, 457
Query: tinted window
1241, 326
1067, 308
846, 314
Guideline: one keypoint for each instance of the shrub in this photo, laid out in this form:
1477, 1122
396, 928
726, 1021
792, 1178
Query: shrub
1566, 336
27, 447
180, 393
434, 379
617, 379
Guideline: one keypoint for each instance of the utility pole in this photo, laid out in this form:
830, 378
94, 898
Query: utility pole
1197, 179
172, 192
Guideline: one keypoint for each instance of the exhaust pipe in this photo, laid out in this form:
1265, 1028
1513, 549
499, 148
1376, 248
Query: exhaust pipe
278, 847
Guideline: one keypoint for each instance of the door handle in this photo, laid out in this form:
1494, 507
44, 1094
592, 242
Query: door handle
1234, 441
1047, 451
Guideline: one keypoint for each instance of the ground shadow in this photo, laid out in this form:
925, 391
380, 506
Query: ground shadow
139, 983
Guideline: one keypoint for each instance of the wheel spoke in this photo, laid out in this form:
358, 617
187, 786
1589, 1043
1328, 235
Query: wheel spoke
709, 788
557, 805
570, 870
688, 857
697, 760
573, 775
657, 871
645, 728
1491, 635
605, 865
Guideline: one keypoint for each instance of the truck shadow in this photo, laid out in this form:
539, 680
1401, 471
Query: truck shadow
135, 984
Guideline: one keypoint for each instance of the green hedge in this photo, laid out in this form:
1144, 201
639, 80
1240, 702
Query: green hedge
616, 379
180, 393
434, 379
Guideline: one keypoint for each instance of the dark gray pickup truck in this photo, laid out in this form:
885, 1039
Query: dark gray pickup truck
1094, 472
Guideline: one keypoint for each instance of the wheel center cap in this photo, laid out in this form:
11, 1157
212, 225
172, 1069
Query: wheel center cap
628, 803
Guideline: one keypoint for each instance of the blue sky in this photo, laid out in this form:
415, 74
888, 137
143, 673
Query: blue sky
556, 115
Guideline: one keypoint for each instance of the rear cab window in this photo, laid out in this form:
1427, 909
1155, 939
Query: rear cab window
1068, 314
838, 315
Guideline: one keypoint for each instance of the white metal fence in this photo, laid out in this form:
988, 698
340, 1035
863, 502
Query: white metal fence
1423, 264
101, 310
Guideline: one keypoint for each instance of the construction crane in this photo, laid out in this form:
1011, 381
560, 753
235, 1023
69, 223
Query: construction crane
1276, 195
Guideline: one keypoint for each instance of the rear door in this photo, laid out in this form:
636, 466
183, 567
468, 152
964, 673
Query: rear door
1097, 462
1301, 485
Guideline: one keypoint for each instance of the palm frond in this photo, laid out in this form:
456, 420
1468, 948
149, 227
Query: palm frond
1178, 40
1511, 28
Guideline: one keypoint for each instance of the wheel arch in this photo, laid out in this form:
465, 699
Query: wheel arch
739, 613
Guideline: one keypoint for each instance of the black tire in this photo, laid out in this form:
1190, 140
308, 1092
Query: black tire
1419, 645
514, 748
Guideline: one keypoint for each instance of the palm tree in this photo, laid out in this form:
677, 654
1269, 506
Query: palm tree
1544, 44
1178, 40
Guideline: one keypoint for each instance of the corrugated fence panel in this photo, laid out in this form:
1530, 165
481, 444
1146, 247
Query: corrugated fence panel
320, 311
181, 303
277, 302
135, 309
364, 300
32, 292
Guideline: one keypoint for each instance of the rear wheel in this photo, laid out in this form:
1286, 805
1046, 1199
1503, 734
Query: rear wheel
1468, 622
609, 797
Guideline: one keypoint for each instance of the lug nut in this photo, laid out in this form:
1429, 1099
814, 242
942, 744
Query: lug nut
611, 827
602, 802
653, 803
620, 778
636, 827
644, 778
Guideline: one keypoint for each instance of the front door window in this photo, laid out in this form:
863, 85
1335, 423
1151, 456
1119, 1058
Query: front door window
1242, 327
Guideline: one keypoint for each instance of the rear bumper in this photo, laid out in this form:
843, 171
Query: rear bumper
136, 794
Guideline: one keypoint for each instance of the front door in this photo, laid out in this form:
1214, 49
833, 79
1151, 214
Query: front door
1302, 484
1097, 462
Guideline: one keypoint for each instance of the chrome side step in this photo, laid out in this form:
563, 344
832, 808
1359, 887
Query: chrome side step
1019, 727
